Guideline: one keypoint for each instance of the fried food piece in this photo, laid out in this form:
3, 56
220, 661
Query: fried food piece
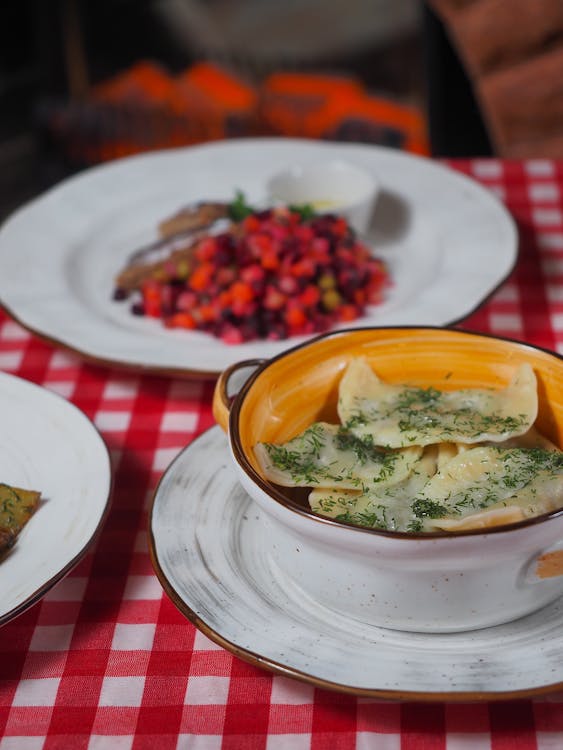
179, 236
17, 505
193, 218
134, 275
7, 539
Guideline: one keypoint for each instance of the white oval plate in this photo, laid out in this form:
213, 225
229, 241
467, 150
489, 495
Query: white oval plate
211, 556
48, 445
448, 241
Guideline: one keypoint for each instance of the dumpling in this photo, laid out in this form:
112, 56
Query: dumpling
328, 456
400, 415
490, 485
483, 520
382, 507
530, 439
407, 458
447, 451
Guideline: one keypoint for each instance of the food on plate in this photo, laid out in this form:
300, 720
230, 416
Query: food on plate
175, 246
193, 218
242, 274
418, 459
326, 454
17, 505
400, 415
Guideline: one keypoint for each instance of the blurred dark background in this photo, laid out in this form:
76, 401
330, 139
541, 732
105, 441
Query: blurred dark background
57, 114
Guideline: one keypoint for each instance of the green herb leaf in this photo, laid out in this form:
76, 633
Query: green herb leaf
305, 211
424, 508
415, 526
239, 208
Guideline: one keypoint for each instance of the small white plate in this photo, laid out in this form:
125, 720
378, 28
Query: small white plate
448, 242
48, 445
211, 556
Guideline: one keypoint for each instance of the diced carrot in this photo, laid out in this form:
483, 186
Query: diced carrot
242, 291
347, 312
310, 296
201, 276
275, 275
270, 260
208, 313
304, 267
181, 320
251, 224
295, 318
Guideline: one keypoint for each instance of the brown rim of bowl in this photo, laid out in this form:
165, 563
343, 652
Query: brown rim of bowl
263, 662
292, 506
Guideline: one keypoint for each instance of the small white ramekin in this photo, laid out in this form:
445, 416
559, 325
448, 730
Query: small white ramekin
339, 187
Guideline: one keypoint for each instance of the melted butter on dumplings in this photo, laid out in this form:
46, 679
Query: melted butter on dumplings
384, 507
481, 487
400, 415
325, 455
490, 483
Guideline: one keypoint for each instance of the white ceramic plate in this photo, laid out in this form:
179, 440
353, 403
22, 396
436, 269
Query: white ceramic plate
47, 444
449, 243
211, 556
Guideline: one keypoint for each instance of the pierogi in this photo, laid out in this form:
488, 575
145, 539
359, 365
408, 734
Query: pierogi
401, 415
412, 459
328, 456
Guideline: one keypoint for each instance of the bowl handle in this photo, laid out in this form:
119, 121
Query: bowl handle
548, 564
224, 394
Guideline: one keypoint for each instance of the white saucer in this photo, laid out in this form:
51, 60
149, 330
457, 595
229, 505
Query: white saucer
211, 556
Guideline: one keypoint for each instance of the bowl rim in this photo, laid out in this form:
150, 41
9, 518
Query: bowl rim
293, 507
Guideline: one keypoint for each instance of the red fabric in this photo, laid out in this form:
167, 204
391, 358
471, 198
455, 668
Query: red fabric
106, 662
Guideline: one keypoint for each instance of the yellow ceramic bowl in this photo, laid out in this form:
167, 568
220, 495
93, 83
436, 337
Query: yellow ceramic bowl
299, 387
290, 392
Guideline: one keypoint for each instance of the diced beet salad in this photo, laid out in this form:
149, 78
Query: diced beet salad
277, 273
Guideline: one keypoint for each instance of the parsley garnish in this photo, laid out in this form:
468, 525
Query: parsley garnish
239, 208
305, 211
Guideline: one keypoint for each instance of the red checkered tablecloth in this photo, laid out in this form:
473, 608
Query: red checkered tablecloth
106, 662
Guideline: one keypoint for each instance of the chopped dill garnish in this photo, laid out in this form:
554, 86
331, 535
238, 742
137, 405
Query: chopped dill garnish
425, 508
371, 520
363, 447
301, 467
358, 420
415, 526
